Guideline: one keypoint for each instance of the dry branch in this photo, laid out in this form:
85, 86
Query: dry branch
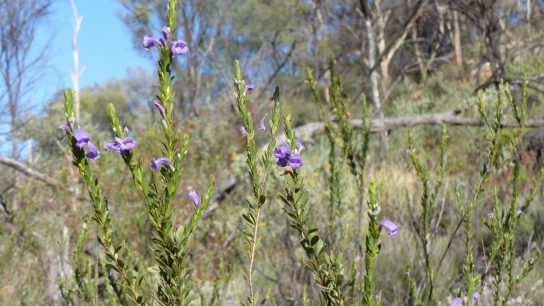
307, 132
30, 172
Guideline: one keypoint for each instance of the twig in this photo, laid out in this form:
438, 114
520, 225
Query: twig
30, 172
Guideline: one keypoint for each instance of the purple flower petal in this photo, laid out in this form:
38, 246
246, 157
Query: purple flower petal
160, 107
392, 228
112, 146
92, 152
194, 197
282, 162
486, 168
65, 127
295, 161
475, 298
262, 125
166, 33
283, 151
299, 147
519, 212
150, 42
156, 164
121, 146
127, 144
243, 130
249, 87
457, 302
407, 152
82, 139
490, 215
179, 47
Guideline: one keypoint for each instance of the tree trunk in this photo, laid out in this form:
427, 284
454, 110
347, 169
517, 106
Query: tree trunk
529, 16
493, 36
379, 42
457, 40
419, 59
75, 75
374, 77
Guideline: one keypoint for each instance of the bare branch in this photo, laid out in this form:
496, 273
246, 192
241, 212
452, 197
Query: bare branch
308, 131
30, 172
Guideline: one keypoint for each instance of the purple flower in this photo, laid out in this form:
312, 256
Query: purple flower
282, 152
282, 162
65, 127
519, 212
179, 47
194, 197
113, 146
243, 130
486, 168
151, 41
262, 125
92, 152
284, 157
121, 146
295, 161
475, 298
160, 107
249, 87
127, 144
82, 139
490, 215
156, 164
407, 152
166, 33
392, 228
299, 147
457, 302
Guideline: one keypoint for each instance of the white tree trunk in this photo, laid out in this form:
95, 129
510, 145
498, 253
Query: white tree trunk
75, 75
457, 40
374, 76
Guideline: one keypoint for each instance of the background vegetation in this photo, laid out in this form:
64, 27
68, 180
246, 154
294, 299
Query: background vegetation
408, 57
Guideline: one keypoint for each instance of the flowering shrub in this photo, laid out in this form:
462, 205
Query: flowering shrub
341, 279
171, 272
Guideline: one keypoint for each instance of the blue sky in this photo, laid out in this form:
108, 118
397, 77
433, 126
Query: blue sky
105, 51
105, 47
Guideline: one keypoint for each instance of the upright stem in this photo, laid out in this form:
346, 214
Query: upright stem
252, 256
372, 248
258, 172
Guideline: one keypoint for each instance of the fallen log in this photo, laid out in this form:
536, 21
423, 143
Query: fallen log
308, 131
30, 172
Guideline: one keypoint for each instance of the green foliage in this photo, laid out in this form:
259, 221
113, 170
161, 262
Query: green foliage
428, 205
372, 248
169, 243
327, 268
258, 170
150, 250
